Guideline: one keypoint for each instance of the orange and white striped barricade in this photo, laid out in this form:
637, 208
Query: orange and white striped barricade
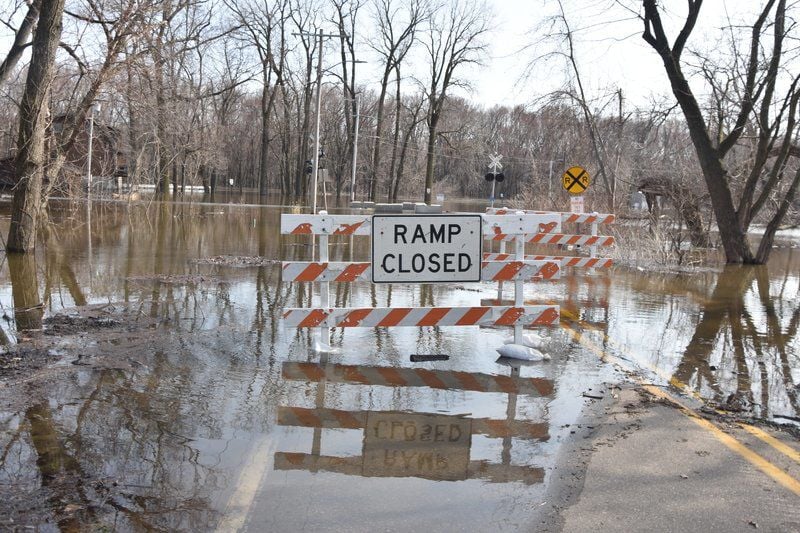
592, 241
375, 317
324, 272
556, 237
325, 225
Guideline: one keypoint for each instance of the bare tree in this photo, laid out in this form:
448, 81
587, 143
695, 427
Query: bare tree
31, 158
397, 27
753, 102
264, 25
454, 38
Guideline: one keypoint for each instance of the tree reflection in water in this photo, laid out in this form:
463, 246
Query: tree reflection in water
741, 346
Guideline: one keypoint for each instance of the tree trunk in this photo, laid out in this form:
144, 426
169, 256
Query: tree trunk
376, 149
30, 158
431, 156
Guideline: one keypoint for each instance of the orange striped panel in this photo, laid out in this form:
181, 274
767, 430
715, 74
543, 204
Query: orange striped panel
354, 318
508, 271
352, 272
312, 272
547, 228
394, 317
348, 229
472, 316
433, 316
549, 270
314, 318
510, 317
548, 316
302, 229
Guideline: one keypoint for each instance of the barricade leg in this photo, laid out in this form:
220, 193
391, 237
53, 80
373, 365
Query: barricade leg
593, 248
322, 343
519, 287
500, 283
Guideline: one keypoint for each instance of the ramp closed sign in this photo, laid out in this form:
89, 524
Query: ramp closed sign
426, 248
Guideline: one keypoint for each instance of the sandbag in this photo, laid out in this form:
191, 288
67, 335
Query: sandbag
524, 353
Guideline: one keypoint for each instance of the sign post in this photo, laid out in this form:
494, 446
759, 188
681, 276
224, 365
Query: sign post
426, 248
495, 175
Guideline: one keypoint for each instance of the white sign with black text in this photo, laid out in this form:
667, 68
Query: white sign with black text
426, 248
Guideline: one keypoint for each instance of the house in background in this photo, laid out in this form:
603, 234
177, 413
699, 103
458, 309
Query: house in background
109, 158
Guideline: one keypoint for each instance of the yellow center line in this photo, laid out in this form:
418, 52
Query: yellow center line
734, 445
784, 448
729, 441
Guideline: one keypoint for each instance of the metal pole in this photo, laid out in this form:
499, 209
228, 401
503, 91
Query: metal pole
493, 183
355, 158
315, 169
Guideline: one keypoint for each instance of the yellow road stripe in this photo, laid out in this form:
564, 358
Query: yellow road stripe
247, 485
784, 448
734, 445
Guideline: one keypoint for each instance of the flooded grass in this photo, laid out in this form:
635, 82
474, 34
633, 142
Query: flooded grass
168, 394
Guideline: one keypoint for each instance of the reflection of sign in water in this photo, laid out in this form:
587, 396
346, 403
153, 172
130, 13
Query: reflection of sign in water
405, 444
418, 445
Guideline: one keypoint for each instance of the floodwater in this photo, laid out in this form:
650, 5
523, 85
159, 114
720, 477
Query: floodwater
205, 412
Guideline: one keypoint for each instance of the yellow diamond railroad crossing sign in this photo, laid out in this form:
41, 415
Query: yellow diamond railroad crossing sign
576, 180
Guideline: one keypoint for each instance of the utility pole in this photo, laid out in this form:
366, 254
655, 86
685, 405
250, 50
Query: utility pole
320, 35
550, 178
355, 155
315, 161
95, 107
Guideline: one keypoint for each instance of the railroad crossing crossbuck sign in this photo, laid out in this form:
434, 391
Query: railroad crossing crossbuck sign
576, 180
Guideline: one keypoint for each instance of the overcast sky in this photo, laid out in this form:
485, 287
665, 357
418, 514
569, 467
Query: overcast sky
608, 46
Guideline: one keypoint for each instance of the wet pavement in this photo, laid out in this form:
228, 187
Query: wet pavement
183, 403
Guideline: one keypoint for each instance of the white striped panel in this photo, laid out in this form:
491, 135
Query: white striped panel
521, 224
326, 224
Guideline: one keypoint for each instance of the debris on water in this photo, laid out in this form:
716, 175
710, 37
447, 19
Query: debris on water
174, 280
592, 396
712, 367
753, 524
422, 357
684, 476
236, 261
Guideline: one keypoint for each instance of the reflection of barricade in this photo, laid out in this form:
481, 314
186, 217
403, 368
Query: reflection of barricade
502, 227
417, 377
413, 444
